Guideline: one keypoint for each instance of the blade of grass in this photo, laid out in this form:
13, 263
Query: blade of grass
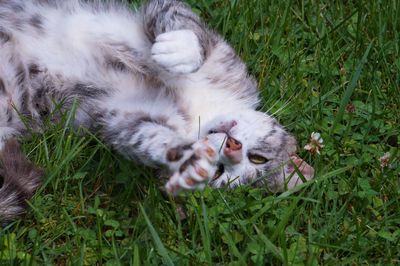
156, 238
350, 88
206, 237
269, 245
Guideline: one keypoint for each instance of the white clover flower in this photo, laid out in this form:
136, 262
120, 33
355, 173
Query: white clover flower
315, 143
384, 160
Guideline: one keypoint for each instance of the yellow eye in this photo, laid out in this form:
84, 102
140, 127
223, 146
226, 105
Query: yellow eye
257, 159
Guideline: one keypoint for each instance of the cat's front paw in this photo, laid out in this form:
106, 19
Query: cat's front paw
178, 51
196, 171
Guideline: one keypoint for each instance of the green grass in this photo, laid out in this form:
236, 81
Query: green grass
314, 59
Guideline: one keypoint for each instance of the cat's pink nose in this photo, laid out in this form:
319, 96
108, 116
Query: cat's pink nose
233, 150
233, 144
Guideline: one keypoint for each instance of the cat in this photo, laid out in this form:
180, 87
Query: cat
155, 84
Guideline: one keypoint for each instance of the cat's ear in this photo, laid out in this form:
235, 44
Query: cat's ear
291, 170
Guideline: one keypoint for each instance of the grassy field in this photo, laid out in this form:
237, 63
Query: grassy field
323, 66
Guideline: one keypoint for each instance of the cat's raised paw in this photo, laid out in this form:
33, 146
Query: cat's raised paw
196, 171
178, 51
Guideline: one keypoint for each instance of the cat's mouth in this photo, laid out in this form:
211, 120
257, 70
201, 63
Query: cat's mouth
220, 172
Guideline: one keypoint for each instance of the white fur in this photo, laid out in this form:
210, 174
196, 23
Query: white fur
74, 46
178, 51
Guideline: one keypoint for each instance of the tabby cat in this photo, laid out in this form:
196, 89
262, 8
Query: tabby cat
155, 84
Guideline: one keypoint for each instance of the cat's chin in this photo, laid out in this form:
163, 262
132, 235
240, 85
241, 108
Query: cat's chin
223, 178
220, 172
220, 178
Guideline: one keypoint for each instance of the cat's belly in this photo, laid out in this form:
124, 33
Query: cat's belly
72, 44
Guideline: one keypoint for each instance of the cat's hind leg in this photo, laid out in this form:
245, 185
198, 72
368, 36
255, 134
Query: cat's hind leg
19, 178
14, 88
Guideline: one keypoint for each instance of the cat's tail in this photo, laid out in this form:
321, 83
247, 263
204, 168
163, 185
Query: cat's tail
20, 177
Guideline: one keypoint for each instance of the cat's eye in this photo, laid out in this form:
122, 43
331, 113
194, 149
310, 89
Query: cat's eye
257, 159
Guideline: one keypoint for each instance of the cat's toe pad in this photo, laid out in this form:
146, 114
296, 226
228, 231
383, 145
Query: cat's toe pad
196, 171
178, 51
194, 177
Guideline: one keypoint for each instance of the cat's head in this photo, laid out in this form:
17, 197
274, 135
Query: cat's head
256, 150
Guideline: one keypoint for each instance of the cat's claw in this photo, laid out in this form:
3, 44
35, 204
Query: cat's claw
178, 51
196, 171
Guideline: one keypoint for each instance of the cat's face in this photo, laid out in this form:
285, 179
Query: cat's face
255, 151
